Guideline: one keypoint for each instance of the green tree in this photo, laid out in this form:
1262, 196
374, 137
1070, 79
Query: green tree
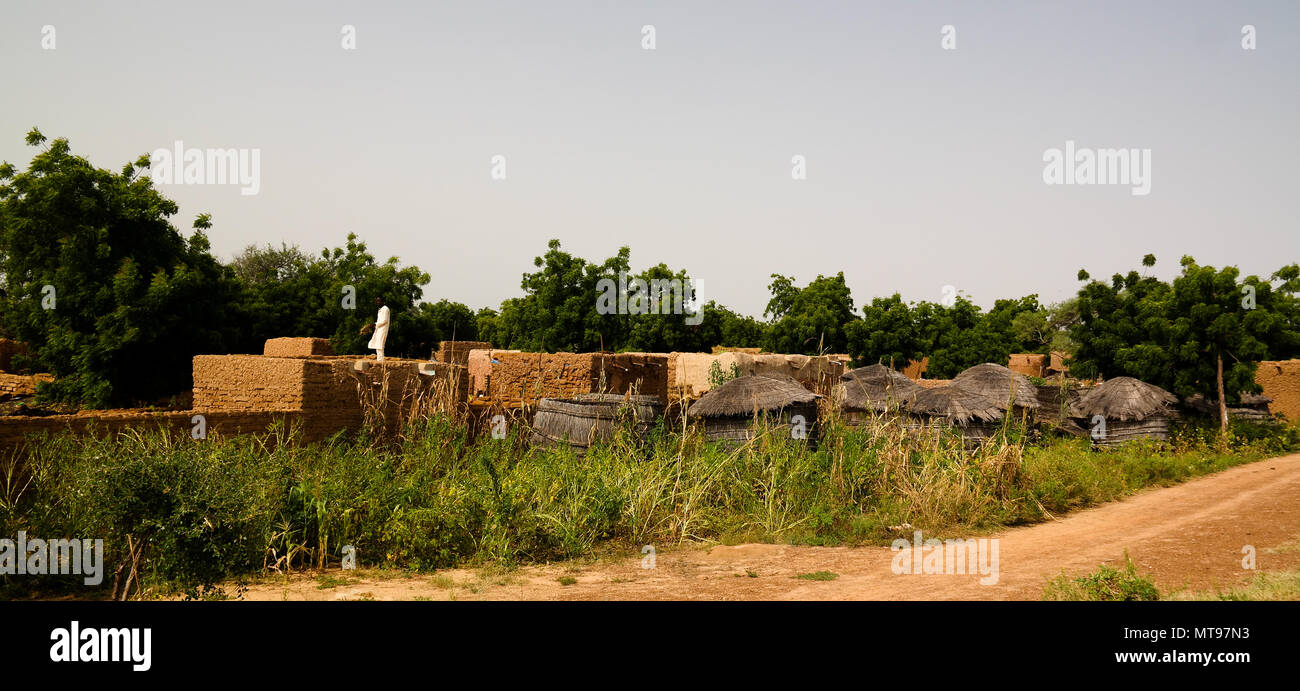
1203, 333
888, 333
112, 299
487, 320
721, 326
811, 320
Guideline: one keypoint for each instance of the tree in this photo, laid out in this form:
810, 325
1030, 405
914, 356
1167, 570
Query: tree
1122, 328
811, 320
445, 320
571, 304
1047, 330
487, 320
1211, 321
956, 338
1203, 333
724, 327
111, 298
887, 333
263, 265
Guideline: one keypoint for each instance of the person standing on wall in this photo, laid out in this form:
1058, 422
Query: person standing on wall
380, 328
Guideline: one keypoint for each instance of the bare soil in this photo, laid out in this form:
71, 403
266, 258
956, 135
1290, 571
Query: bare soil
1186, 537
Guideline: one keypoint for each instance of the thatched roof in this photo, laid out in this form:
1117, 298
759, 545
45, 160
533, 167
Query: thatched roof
1256, 399
750, 393
1123, 398
874, 387
995, 383
955, 403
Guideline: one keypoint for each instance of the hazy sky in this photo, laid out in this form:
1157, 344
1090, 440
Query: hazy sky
924, 165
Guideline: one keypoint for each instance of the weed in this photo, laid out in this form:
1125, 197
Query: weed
1106, 584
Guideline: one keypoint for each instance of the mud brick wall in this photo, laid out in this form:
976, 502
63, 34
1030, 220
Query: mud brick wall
523, 378
1028, 364
514, 379
447, 374
457, 352
249, 382
395, 388
331, 398
8, 349
322, 390
915, 369
12, 385
1281, 382
329, 394
480, 370
818, 374
691, 370
674, 392
644, 373
15, 430
297, 347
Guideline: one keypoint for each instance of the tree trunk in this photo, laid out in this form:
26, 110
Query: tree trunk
1223, 401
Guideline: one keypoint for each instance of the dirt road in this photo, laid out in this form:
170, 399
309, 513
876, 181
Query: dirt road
1187, 536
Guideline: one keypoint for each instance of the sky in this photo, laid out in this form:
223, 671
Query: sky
923, 162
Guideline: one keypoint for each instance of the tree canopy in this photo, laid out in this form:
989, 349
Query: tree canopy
112, 299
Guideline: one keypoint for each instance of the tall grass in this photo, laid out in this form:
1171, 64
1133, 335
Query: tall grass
207, 511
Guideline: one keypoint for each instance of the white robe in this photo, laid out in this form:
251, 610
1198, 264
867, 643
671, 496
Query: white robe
381, 329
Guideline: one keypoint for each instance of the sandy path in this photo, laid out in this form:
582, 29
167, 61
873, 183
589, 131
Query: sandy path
1187, 536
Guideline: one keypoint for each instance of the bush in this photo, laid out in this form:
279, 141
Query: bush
1106, 584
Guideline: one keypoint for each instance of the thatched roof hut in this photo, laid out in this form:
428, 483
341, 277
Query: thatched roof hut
957, 405
1005, 387
874, 388
1254, 407
1132, 409
952, 406
588, 418
729, 411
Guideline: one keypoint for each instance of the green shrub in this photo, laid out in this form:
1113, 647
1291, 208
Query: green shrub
1106, 584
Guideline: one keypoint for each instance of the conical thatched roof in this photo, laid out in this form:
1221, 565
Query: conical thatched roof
750, 393
1123, 398
874, 387
955, 403
995, 382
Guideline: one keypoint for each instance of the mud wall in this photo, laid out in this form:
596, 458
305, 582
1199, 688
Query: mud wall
691, 370
1281, 382
20, 384
457, 352
14, 430
297, 347
1028, 364
513, 378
